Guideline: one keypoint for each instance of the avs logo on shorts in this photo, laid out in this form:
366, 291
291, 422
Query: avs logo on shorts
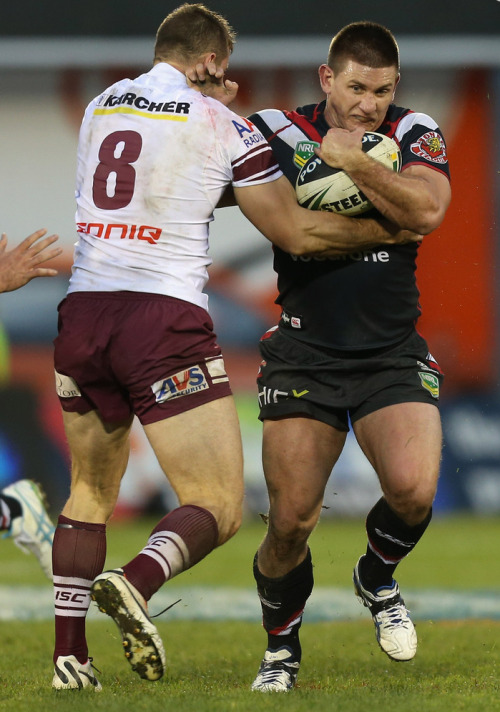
183, 383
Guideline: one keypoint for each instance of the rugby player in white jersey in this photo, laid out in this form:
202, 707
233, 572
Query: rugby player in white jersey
135, 336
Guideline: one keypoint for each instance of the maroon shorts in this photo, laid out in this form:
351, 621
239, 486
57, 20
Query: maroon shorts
127, 352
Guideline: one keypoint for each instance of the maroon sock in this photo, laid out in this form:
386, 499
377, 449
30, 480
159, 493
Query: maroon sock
78, 556
181, 539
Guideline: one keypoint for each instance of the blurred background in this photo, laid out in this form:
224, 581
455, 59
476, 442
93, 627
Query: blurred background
56, 56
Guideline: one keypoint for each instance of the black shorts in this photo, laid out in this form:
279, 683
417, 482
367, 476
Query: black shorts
296, 378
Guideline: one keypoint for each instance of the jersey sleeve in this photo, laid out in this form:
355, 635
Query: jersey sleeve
422, 143
251, 157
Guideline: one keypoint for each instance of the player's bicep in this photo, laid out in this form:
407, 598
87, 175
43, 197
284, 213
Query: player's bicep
437, 184
268, 206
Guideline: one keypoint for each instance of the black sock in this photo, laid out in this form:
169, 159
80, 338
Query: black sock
389, 541
283, 601
15, 507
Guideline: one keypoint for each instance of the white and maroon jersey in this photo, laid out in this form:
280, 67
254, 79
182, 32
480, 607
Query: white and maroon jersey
367, 299
154, 157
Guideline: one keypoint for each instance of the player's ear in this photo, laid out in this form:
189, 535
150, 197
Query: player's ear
396, 86
325, 77
208, 58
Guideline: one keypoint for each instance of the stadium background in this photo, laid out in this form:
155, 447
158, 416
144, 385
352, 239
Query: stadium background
54, 59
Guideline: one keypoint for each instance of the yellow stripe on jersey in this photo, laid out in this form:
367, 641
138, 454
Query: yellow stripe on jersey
146, 114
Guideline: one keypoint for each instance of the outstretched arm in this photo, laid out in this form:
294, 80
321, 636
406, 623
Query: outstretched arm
20, 265
274, 211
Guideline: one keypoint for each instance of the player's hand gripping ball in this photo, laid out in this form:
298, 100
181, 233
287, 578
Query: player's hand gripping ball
320, 187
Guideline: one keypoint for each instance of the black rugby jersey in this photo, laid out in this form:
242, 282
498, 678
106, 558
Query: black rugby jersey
367, 299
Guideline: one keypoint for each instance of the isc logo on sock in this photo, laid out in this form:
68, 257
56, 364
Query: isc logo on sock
179, 384
72, 597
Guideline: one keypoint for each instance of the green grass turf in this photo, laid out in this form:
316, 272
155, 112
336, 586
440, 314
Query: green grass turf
211, 665
456, 552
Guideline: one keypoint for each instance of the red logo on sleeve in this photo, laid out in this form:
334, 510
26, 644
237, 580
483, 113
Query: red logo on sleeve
430, 146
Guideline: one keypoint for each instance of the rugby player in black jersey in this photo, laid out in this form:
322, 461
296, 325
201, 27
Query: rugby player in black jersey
347, 352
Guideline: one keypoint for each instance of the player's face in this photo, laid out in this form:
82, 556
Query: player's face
358, 95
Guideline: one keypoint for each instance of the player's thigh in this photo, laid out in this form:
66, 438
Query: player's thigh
298, 456
403, 443
200, 451
99, 455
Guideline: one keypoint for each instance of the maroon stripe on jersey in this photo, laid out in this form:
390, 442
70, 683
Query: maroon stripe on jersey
256, 150
255, 165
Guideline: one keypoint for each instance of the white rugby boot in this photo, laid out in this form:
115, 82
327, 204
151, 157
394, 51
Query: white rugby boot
394, 629
143, 646
69, 674
33, 531
277, 672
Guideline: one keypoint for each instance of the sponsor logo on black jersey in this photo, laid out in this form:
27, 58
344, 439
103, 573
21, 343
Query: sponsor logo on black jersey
376, 255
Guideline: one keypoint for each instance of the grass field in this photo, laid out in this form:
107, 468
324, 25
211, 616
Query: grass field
211, 665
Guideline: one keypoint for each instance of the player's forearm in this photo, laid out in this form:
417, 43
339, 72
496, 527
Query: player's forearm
331, 235
404, 199
274, 211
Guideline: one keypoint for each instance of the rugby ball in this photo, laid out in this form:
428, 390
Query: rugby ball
320, 187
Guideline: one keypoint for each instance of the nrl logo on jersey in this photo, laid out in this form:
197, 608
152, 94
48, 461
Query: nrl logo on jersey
303, 151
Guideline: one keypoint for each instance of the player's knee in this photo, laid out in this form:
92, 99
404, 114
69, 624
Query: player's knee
292, 528
96, 498
227, 509
412, 504
228, 523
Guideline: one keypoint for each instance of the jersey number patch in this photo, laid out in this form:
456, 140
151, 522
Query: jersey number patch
114, 177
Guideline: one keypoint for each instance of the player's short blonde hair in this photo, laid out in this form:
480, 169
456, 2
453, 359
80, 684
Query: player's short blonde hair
191, 31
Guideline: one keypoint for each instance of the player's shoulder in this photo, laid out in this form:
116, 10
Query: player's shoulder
273, 119
400, 121
419, 137
111, 95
